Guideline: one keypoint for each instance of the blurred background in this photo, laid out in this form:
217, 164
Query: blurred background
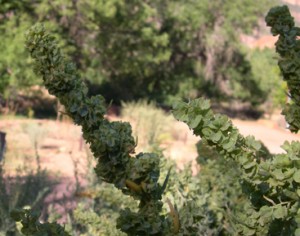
155, 50
141, 55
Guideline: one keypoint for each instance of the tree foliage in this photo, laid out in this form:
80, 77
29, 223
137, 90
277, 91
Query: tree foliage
16, 75
15, 68
264, 67
172, 47
135, 49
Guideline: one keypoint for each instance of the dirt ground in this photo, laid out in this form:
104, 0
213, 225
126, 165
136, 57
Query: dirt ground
61, 148
63, 153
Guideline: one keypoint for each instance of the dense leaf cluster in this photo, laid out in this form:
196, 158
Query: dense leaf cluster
111, 142
219, 180
271, 183
32, 226
288, 47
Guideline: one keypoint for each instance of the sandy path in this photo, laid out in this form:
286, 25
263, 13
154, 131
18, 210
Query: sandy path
268, 132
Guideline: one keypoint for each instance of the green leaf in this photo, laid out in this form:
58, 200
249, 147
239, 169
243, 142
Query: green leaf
205, 105
290, 194
195, 122
207, 132
281, 161
249, 232
285, 146
266, 215
216, 137
297, 176
298, 192
280, 212
225, 125
251, 142
249, 165
278, 174
229, 145
297, 232
289, 173
83, 111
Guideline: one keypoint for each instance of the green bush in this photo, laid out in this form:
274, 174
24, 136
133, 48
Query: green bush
151, 125
220, 179
110, 142
163, 49
26, 189
265, 203
99, 204
157, 50
267, 75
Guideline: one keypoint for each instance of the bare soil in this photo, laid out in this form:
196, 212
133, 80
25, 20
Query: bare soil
62, 152
61, 148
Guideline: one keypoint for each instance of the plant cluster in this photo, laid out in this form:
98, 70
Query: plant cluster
269, 184
288, 46
111, 142
151, 125
32, 226
27, 188
270, 181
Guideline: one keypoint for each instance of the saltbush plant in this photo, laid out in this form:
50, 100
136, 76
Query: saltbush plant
26, 188
151, 125
270, 184
111, 142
